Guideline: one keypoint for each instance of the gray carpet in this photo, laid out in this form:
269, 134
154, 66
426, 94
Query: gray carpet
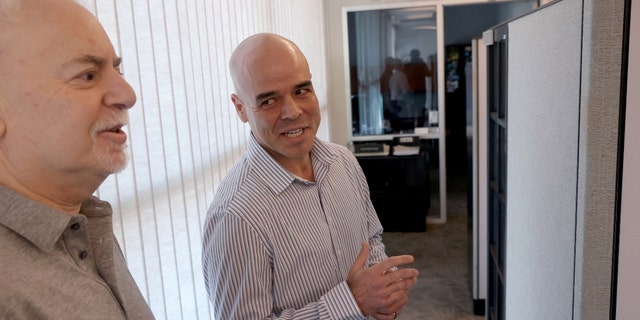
442, 291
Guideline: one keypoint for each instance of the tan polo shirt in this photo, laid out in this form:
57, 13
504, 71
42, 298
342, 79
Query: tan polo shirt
57, 266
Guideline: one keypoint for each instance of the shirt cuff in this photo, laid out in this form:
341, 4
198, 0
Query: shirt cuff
341, 303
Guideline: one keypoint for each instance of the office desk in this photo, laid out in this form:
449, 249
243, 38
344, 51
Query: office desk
399, 187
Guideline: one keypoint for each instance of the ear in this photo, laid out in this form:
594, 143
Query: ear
240, 109
3, 117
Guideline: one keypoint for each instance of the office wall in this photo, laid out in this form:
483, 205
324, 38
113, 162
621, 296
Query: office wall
564, 93
463, 23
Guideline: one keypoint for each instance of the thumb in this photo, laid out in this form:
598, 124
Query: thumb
361, 260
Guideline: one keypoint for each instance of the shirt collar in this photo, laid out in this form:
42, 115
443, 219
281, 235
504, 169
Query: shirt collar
278, 177
39, 224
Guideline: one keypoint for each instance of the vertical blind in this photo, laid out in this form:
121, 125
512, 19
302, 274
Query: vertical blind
184, 134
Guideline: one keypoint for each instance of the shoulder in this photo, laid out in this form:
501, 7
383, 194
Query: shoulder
330, 150
336, 156
242, 194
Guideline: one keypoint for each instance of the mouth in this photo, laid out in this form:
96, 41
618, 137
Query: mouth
116, 129
294, 133
113, 133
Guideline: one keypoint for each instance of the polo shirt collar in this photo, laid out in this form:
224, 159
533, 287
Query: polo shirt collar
40, 224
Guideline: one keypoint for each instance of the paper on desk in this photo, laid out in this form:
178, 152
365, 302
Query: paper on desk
401, 150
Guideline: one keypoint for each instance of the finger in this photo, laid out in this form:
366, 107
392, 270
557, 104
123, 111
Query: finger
407, 275
396, 302
403, 273
361, 260
384, 316
394, 261
390, 293
403, 285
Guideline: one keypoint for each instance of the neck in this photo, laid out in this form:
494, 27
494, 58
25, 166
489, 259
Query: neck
53, 193
300, 167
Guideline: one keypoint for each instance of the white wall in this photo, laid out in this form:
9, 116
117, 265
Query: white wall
628, 307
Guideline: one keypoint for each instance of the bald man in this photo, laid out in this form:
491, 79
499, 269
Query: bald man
291, 232
63, 103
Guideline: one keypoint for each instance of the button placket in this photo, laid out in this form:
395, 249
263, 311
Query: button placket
77, 243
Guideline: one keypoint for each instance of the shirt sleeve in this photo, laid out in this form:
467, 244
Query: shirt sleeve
237, 267
374, 227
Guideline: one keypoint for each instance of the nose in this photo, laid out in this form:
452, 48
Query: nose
120, 93
291, 108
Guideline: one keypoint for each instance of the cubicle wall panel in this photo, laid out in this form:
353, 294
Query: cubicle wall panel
542, 150
602, 44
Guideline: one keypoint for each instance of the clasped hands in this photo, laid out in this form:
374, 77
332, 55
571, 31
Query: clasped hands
381, 290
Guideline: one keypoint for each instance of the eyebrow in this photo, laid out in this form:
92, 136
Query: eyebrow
263, 95
98, 61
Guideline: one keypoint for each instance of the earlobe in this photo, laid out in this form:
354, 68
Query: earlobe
3, 128
240, 110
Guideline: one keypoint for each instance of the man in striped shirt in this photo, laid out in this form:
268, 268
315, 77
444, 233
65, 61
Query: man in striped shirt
291, 232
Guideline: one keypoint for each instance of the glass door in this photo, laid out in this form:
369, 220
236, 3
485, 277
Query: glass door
392, 66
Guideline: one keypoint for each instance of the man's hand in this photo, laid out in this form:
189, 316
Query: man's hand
382, 289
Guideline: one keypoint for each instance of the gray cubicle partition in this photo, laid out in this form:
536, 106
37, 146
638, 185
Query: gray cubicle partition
564, 84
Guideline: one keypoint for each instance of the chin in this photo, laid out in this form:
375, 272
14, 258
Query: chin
118, 168
113, 162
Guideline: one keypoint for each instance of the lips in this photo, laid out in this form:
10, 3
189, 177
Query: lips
294, 133
114, 134
111, 128
115, 129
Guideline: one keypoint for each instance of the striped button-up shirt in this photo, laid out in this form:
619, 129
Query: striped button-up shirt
276, 245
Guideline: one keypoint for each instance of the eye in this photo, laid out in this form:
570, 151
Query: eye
303, 91
267, 102
88, 76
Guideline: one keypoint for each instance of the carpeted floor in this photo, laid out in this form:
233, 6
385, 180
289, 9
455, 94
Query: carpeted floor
441, 256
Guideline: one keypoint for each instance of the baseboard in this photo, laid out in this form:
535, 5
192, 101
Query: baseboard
478, 307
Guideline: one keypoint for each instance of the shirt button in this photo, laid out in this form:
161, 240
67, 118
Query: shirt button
75, 226
83, 254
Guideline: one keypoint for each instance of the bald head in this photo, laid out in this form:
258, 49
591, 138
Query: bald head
7, 7
15, 14
259, 53
10, 10
275, 96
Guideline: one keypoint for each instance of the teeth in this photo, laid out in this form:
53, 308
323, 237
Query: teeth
294, 133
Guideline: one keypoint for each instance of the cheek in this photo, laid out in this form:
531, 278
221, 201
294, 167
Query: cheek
55, 120
267, 119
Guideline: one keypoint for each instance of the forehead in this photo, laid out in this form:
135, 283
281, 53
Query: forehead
279, 70
49, 29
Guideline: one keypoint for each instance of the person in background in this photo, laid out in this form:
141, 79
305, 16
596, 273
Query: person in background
386, 93
398, 89
291, 232
417, 72
63, 103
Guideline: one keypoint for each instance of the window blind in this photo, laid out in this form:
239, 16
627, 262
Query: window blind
184, 134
